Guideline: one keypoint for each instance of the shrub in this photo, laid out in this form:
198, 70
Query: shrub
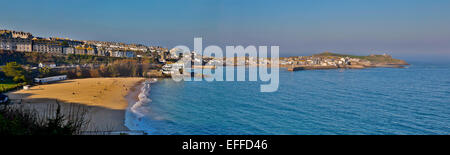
21, 121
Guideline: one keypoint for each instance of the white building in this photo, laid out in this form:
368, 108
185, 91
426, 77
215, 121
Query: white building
50, 65
68, 50
50, 79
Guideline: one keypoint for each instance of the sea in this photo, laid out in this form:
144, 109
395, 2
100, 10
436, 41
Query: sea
376, 101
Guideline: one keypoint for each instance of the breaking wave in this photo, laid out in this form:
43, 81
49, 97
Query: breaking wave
138, 109
143, 99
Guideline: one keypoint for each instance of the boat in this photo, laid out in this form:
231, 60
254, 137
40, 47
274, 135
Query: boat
172, 68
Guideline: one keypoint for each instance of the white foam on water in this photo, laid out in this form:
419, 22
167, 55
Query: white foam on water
137, 109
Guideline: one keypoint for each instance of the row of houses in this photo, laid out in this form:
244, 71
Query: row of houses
98, 51
16, 44
15, 34
48, 46
24, 42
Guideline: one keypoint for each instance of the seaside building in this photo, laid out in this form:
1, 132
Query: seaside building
24, 45
130, 54
14, 40
15, 34
91, 51
67, 42
50, 65
25, 42
117, 53
47, 46
102, 52
68, 50
16, 44
23, 35
80, 50
50, 79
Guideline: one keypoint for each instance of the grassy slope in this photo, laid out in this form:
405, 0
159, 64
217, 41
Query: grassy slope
8, 86
372, 58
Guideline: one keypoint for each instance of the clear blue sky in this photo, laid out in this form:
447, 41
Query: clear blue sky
409, 29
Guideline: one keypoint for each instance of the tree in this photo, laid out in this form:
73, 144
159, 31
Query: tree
15, 71
79, 72
1, 76
104, 70
94, 72
65, 43
44, 71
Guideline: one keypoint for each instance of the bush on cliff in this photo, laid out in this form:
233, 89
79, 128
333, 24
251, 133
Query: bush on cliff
19, 121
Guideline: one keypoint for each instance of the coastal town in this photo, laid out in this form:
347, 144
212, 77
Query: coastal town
37, 71
25, 42
325, 60
231, 76
52, 58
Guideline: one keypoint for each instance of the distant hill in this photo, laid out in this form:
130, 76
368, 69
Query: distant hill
338, 55
375, 59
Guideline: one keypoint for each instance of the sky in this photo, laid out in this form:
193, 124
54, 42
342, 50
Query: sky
416, 30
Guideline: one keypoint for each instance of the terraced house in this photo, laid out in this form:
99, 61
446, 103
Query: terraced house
17, 41
25, 42
16, 44
47, 46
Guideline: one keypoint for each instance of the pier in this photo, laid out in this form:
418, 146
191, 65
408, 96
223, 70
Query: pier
299, 68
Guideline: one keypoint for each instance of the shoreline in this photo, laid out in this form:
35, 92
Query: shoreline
327, 67
104, 99
136, 98
132, 97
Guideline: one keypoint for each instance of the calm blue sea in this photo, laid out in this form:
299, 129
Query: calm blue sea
414, 100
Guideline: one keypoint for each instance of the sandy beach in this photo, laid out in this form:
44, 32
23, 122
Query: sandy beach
105, 99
